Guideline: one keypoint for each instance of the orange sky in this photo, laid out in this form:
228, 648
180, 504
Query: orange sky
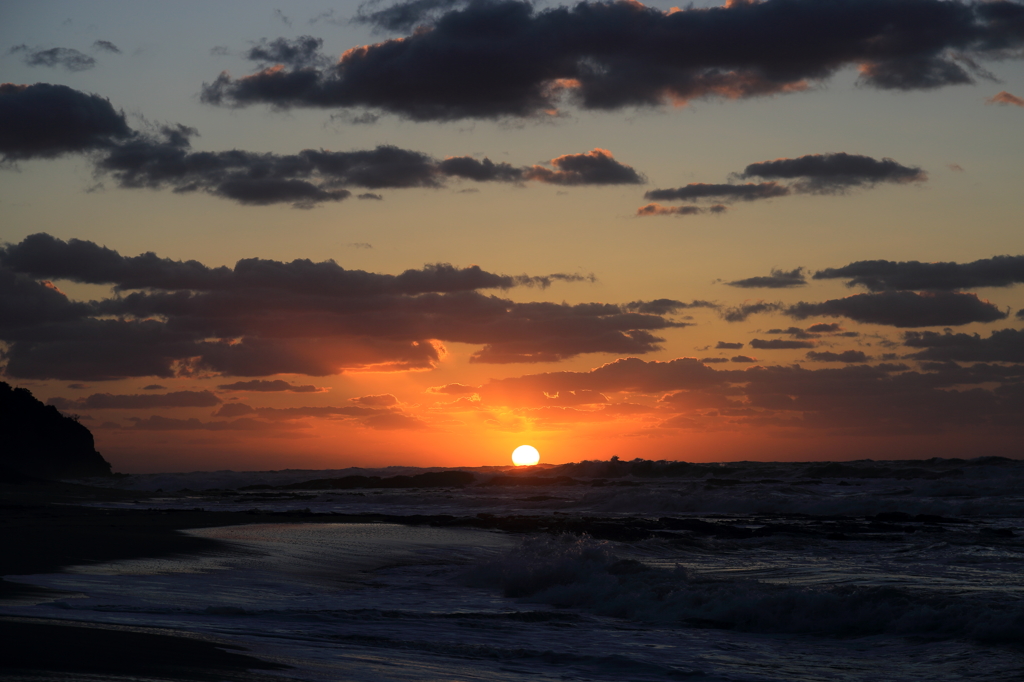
222, 247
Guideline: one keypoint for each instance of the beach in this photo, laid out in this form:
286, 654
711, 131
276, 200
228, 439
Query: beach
745, 571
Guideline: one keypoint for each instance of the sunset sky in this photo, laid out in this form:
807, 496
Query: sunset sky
247, 235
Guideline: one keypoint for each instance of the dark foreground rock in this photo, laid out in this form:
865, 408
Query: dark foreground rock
37, 440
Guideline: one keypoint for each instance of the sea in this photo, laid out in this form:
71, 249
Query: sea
620, 570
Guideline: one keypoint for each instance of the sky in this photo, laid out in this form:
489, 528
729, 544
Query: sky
255, 235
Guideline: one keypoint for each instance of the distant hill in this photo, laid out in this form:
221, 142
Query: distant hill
37, 440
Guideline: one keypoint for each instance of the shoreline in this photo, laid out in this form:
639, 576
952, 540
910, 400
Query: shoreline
33, 645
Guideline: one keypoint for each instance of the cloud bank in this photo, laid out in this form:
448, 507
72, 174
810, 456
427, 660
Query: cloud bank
506, 58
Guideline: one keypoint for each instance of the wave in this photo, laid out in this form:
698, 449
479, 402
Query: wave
581, 573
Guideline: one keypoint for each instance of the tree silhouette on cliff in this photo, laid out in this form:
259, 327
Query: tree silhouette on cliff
37, 440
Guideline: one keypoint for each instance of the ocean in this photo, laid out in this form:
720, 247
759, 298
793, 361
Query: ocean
742, 571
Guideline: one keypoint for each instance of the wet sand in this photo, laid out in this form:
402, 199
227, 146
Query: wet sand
43, 529
36, 645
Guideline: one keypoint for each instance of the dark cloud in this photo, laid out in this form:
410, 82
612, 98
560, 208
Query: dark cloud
847, 356
45, 121
742, 359
698, 191
831, 173
741, 312
268, 317
714, 360
883, 275
304, 179
780, 344
779, 279
69, 58
795, 332
138, 401
45, 257
403, 16
154, 387
482, 171
904, 309
1004, 345
264, 386
159, 423
825, 328
658, 209
852, 399
726, 345
299, 53
1004, 98
370, 195
106, 46
500, 58
666, 306
596, 167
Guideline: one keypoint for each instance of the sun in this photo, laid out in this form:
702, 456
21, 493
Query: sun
525, 456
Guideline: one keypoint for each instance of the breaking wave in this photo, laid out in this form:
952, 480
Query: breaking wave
581, 573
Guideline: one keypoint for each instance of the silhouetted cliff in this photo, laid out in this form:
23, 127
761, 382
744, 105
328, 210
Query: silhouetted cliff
37, 440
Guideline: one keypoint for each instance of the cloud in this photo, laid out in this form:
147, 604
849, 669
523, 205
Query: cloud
299, 53
69, 58
812, 174
384, 400
1004, 345
825, 328
264, 386
1005, 98
726, 345
741, 312
883, 275
742, 359
138, 401
43, 256
666, 306
779, 279
283, 18
393, 421
453, 389
596, 167
834, 173
507, 58
658, 209
780, 344
370, 195
159, 423
266, 317
403, 16
698, 191
106, 46
852, 399
46, 121
904, 309
847, 356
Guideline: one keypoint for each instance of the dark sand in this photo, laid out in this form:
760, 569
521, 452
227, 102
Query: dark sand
42, 530
32, 646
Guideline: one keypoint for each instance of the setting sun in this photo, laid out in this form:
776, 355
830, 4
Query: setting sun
525, 456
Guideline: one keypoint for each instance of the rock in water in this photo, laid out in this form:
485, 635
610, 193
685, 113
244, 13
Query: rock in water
37, 440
